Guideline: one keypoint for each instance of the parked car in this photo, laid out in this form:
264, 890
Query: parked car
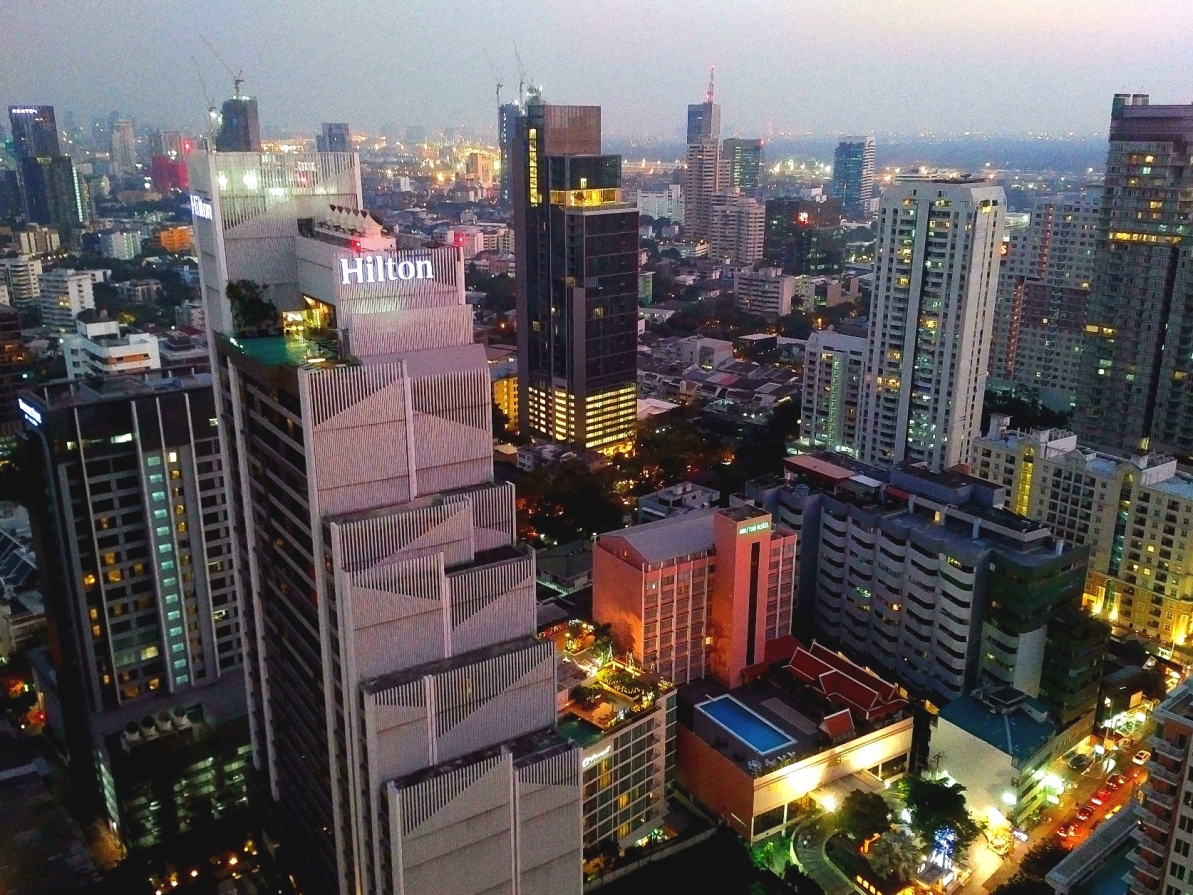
1085, 812
1100, 797
1141, 756
1079, 762
1115, 781
1064, 831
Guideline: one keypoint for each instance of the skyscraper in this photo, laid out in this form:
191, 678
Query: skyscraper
123, 147
507, 124
804, 236
853, 175
576, 244
742, 160
1135, 388
702, 179
402, 710
34, 131
737, 224
935, 277
135, 550
336, 137
240, 130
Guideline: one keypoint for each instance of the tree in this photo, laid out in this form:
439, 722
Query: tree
567, 502
895, 855
1041, 858
250, 309
501, 423
801, 882
862, 814
1024, 885
936, 806
772, 855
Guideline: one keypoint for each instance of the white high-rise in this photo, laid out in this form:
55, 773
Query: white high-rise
935, 278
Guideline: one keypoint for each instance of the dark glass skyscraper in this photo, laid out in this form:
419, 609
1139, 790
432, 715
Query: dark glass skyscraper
239, 131
1137, 387
34, 131
804, 236
336, 137
507, 122
577, 257
853, 175
743, 164
49, 185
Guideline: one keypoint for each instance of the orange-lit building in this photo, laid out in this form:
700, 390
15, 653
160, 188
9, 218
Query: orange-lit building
176, 239
696, 595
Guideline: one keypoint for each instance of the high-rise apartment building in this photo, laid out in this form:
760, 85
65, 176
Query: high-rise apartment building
667, 203
65, 294
103, 348
702, 176
1043, 293
737, 224
834, 366
742, 160
765, 291
804, 236
853, 175
402, 709
16, 369
1134, 390
240, 129
123, 143
698, 594
335, 136
507, 126
932, 312
1130, 512
576, 246
22, 274
136, 548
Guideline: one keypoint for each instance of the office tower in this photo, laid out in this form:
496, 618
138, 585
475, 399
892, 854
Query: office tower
737, 224
23, 277
65, 293
1139, 329
123, 142
16, 368
853, 175
742, 160
11, 205
478, 169
804, 236
698, 594
931, 577
576, 245
336, 137
135, 548
765, 291
1160, 861
34, 132
834, 366
1129, 510
935, 276
702, 178
171, 144
420, 757
667, 203
168, 174
1043, 291
240, 131
507, 123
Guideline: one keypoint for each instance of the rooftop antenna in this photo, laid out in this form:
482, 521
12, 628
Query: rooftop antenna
237, 76
708, 96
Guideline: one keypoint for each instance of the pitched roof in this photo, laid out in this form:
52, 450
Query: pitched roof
845, 682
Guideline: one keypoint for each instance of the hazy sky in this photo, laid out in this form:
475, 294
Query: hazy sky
948, 66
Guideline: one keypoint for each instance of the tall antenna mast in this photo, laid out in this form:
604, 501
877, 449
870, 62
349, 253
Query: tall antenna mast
708, 96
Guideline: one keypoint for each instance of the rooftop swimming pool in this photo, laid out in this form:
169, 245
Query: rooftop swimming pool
749, 727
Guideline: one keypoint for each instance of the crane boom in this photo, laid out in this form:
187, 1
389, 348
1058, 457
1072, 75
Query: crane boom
237, 76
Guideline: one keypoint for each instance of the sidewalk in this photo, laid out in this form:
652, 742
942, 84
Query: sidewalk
812, 860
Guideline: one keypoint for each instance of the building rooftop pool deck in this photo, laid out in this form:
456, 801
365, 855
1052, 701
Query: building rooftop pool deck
749, 727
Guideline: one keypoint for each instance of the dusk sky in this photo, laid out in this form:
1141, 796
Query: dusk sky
820, 67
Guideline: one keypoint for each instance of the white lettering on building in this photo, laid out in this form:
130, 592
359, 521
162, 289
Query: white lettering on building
32, 414
593, 759
381, 268
201, 208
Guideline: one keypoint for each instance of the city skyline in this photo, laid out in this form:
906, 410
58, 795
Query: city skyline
845, 78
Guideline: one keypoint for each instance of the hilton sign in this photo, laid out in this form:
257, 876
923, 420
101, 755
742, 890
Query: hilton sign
382, 268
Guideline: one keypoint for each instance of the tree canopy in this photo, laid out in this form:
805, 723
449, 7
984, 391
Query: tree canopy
862, 814
557, 504
935, 806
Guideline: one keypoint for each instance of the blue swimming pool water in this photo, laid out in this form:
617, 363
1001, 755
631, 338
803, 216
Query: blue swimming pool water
759, 735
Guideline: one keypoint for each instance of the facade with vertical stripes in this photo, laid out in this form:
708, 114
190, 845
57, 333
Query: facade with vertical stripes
402, 710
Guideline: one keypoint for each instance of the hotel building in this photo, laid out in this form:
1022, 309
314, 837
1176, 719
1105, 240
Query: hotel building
935, 277
402, 709
698, 594
576, 243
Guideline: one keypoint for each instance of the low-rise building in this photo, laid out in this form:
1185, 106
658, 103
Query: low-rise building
766, 292
176, 239
123, 245
707, 354
65, 294
141, 292
676, 500
566, 568
761, 757
103, 348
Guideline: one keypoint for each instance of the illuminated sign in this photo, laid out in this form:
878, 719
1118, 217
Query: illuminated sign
380, 268
750, 529
22, 111
32, 414
593, 759
201, 208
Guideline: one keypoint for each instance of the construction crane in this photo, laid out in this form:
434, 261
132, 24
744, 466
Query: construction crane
521, 75
237, 76
212, 113
496, 76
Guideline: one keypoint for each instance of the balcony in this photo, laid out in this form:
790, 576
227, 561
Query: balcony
1148, 842
1140, 885
1166, 800
1157, 770
1165, 748
1143, 865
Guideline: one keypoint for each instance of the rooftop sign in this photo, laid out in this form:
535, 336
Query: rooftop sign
382, 268
32, 414
756, 526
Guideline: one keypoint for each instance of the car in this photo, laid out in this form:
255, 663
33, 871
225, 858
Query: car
1085, 812
1064, 831
1079, 762
1100, 797
1115, 781
1141, 756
